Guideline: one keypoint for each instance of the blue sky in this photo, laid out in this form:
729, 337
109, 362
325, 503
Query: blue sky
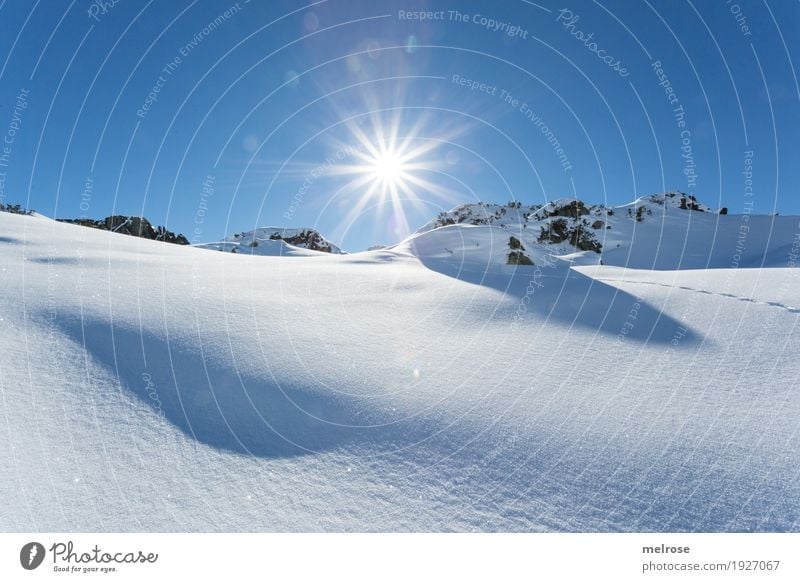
216, 117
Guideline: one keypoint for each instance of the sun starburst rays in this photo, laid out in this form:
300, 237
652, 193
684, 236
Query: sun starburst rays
387, 169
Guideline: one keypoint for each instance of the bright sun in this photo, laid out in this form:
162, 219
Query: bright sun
388, 168
384, 166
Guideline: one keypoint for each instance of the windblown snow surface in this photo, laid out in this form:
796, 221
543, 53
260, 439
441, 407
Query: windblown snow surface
428, 386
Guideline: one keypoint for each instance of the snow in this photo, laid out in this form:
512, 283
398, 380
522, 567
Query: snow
265, 248
426, 386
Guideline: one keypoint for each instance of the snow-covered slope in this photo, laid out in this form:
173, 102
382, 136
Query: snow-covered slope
661, 231
154, 387
275, 241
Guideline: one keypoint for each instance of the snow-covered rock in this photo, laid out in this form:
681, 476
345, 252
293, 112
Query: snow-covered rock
659, 231
274, 241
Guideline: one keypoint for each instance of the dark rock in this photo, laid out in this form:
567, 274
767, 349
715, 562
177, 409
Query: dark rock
14, 209
309, 239
556, 231
137, 226
572, 209
559, 230
518, 258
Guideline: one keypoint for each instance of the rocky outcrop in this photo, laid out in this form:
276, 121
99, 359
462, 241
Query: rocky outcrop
576, 233
519, 258
15, 209
568, 208
308, 239
137, 226
517, 255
